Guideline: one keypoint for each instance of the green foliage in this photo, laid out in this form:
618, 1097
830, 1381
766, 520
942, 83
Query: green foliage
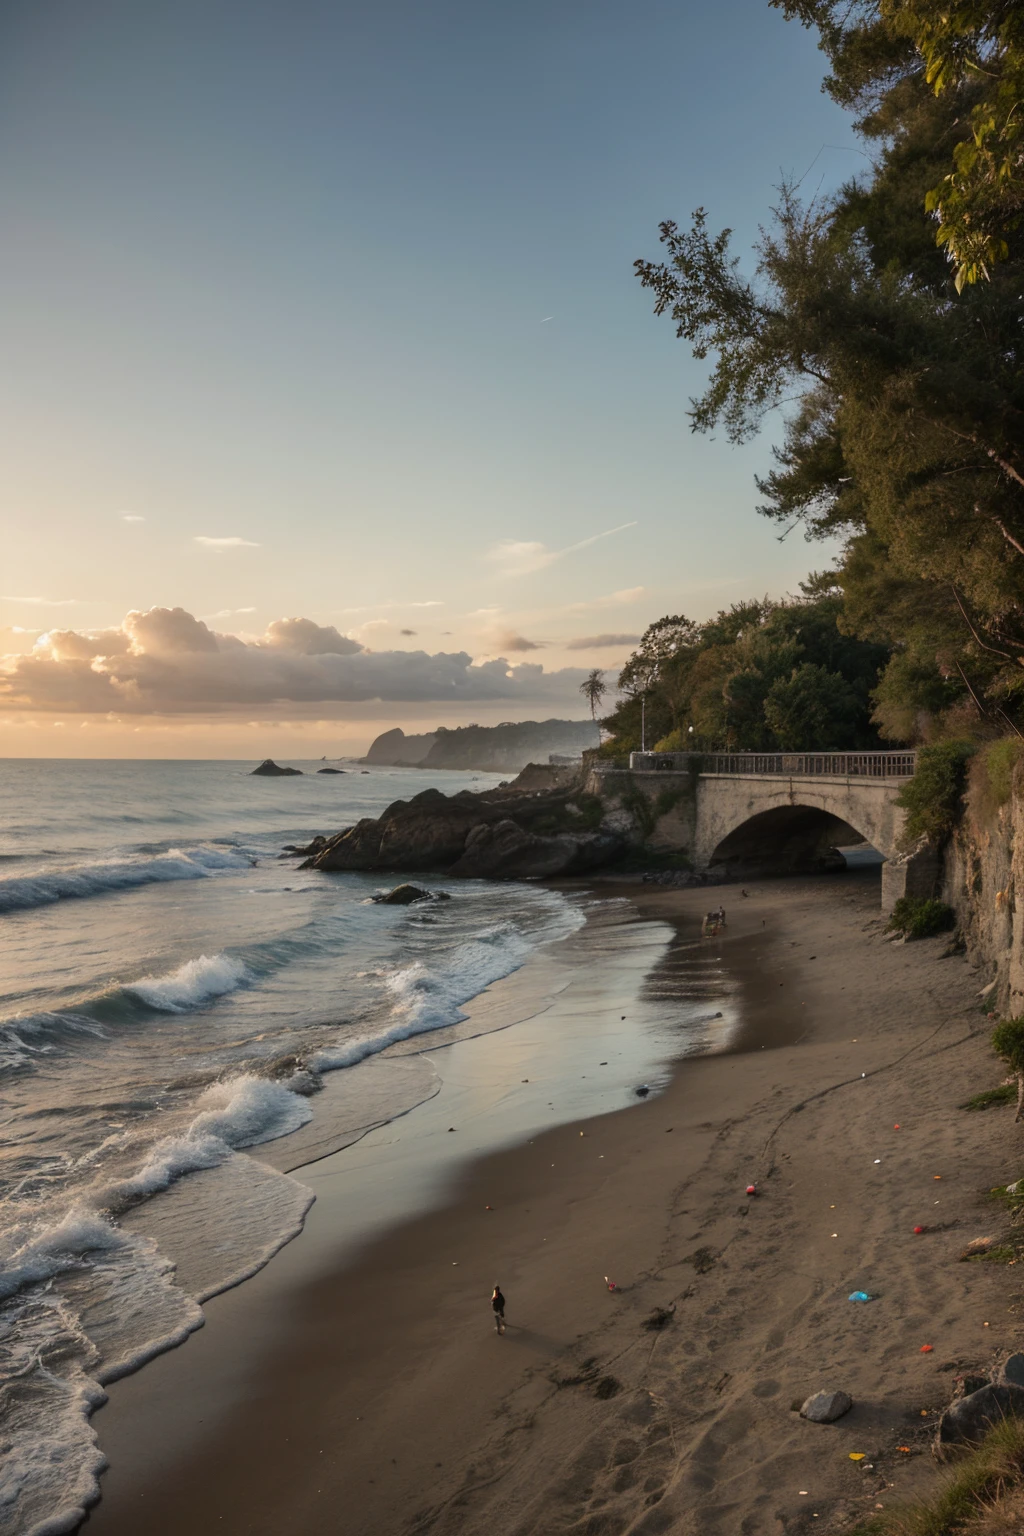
977, 1479
920, 918
991, 776
640, 808
932, 797
759, 676
1006, 1093
904, 436
1008, 1042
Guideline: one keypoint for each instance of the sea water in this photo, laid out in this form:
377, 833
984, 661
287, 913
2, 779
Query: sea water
173, 992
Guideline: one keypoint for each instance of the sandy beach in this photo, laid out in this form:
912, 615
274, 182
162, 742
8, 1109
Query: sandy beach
368, 1393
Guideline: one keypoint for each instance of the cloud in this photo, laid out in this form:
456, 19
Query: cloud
131, 517
509, 640
517, 558
407, 631
611, 599
600, 642
166, 661
376, 607
305, 638
43, 602
232, 543
228, 613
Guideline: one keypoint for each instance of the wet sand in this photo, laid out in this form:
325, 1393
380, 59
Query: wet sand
368, 1393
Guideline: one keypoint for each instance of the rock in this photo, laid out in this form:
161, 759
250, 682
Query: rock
498, 834
1011, 1372
330, 770
978, 1245
826, 1407
270, 770
403, 896
309, 850
969, 1420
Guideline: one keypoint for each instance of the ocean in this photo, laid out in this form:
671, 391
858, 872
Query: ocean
173, 992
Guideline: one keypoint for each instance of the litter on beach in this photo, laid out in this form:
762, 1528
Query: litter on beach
859, 1296
926, 1349
858, 1455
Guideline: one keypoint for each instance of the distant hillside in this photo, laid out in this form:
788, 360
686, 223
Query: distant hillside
395, 749
494, 748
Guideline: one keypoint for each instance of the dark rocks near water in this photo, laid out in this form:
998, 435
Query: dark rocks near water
826, 1407
268, 769
501, 834
405, 895
330, 770
309, 850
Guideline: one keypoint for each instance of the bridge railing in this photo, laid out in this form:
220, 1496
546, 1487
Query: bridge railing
847, 765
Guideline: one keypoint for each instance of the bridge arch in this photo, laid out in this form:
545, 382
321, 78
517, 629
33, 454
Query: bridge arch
777, 823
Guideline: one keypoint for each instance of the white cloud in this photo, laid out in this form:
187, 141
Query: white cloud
227, 613
43, 602
519, 558
166, 661
232, 543
376, 607
131, 517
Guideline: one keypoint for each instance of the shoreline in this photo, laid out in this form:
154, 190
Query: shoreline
372, 1371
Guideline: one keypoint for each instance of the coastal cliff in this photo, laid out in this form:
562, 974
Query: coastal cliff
502, 748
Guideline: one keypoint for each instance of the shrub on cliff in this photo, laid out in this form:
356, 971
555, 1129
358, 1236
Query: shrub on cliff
1008, 1042
920, 918
932, 797
991, 777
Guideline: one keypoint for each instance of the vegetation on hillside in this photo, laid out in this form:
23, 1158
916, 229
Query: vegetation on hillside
760, 676
887, 321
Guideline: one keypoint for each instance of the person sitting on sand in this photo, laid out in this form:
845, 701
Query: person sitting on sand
498, 1307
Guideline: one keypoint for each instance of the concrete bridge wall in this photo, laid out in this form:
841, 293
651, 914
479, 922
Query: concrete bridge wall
769, 822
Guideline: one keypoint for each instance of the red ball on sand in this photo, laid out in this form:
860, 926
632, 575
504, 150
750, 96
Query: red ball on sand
751, 1189
918, 1230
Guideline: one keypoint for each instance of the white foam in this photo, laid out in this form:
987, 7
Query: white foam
18, 892
192, 984
425, 1000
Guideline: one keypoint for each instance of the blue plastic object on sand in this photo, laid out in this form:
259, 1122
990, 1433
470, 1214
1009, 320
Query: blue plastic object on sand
859, 1296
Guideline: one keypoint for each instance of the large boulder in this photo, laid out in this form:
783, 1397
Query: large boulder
268, 769
968, 1421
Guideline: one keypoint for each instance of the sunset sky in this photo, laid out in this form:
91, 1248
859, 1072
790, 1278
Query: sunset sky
329, 398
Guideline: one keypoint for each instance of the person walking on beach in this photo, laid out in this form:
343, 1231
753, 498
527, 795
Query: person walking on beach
498, 1308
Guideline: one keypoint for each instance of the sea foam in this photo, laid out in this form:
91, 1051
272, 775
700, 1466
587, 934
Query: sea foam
18, 892
191, 984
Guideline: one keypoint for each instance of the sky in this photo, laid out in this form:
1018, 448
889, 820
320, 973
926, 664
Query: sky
329, 399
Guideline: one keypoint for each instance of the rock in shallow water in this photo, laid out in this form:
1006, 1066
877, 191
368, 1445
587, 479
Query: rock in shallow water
825, 1407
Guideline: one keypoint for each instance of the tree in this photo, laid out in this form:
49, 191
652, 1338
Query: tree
710, 683
969, 52
593, 689
906, 438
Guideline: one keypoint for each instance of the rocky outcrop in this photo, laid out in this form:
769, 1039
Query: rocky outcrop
330, 770
500, 834
394, 749
509, 747
268, 769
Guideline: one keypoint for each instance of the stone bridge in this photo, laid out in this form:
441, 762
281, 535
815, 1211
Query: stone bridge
748, 813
